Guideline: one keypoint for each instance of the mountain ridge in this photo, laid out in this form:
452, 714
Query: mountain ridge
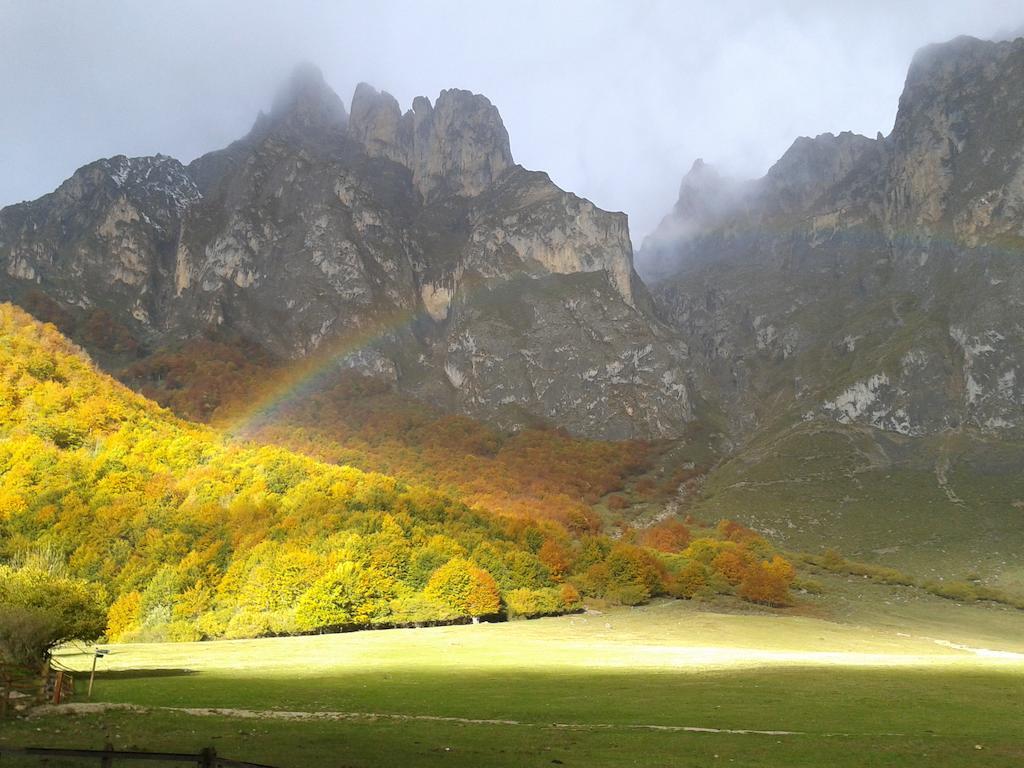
320, 224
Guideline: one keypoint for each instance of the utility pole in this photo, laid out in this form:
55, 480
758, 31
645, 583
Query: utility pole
99, 652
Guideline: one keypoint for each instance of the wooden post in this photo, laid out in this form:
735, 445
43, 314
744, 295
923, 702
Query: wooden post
58, 686
107, 761
92, 675
208, 758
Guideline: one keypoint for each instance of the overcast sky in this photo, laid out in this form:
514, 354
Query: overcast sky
614, 99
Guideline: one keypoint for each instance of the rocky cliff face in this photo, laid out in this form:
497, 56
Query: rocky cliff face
410, 242
871, 281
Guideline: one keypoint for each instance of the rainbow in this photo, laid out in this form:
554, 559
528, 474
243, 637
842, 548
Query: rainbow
304, 378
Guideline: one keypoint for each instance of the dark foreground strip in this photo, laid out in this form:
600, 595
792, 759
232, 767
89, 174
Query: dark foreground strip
205, 759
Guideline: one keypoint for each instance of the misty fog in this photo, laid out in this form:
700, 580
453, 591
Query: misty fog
614, 100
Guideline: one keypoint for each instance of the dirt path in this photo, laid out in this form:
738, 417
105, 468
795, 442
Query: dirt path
84, 708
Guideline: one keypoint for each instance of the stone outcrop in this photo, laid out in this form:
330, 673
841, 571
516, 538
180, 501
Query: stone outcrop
410, 242
871, 281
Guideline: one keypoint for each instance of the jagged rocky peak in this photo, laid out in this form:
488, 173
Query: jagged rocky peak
810, 167
378, 124
706, 199
458, 145
957, 139
304, 103
523, 297
705, 194
877, 281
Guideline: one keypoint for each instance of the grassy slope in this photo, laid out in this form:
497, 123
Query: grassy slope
949, 506
872, 689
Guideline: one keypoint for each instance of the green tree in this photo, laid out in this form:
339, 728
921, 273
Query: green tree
40, 609
467, 589
347, 596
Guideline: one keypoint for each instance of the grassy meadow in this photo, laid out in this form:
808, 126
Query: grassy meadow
891, 678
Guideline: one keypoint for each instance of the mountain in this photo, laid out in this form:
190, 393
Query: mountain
408, 246
859, 311
879, 276
831, 353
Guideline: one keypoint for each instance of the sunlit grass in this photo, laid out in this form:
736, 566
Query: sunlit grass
902, 680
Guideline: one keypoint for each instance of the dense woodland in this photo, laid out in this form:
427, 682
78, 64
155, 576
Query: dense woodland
185, 533
360, 421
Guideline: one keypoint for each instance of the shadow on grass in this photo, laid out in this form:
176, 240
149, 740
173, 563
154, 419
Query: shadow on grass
808, 699
141, 674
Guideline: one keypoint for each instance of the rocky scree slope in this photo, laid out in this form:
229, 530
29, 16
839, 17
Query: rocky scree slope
408, 245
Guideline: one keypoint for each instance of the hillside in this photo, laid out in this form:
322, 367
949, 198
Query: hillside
196, 535
362, 421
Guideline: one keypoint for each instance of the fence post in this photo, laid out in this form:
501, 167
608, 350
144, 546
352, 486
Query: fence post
58, 686
107, 761
208, 758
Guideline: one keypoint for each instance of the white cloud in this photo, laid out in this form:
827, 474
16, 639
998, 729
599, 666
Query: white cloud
614, 100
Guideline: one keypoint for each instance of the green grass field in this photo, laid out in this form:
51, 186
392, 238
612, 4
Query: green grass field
892, 678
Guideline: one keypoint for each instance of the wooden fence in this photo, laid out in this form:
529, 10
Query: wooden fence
20, 685
107, 757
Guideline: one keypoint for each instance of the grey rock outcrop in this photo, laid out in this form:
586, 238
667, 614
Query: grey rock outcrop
873, 281
410, 242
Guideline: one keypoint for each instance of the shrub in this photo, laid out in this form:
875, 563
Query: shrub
672, 536
537, 602
556, 557
247, 623
417, 609
348, 595
691, 580
629, 565
768, 582
25, 635
465, 588
570, 597
40, 609
961, 591
733, 563
810, 586
182, 631
123, 616
630, 594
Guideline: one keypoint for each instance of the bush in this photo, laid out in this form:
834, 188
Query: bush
960, 591
632, 566
417, 610
671, 536
810, 586
123, 616
25, 635
181, 631
570, 597
768, 582
247, 623
733, 563
41, 609
465, 588
630, 594
529, 603
347, 596
691, 580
